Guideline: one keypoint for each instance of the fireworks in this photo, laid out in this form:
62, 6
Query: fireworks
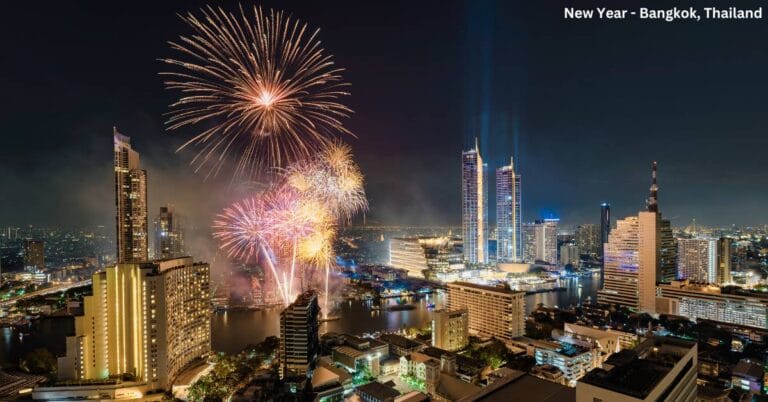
259, 87
333, 178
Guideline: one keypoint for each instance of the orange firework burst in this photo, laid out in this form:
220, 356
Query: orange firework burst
260, 86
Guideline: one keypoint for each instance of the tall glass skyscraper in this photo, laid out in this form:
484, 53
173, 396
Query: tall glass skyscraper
474, 206
605, 225
131, 203
509, 236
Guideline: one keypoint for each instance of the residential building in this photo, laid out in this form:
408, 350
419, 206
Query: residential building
299, 337
569, 254
34, 254
131, 202
509, 238
474, 206
572, 359
493, 311
169, 234
659, 369
450, 329
697, 259
588, 239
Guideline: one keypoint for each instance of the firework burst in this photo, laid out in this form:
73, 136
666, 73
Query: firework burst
259, 88
333, 178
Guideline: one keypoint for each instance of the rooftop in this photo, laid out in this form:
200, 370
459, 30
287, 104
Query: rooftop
636, 372
488, 288
399, 341
519, 386
378, 390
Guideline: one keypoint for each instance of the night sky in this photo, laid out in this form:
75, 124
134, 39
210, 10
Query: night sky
584, 107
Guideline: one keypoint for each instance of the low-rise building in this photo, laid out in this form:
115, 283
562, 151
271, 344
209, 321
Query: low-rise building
572, 359
658, 369
400, 345
450, 329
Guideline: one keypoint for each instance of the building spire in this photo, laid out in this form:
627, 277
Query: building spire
652, 202
477, 145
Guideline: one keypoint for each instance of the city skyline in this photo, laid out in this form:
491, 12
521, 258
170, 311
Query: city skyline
506, 125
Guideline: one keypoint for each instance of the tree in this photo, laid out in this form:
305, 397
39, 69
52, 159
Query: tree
39, 361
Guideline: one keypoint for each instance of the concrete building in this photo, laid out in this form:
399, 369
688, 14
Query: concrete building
356, 353
640, 252
299, 337
149, 320
605, 226
569, 254
450, 329
697, 259
710, 302
509, 238
588, 239
34, 254
572, 359
169, 234
131, 202
474, 206
519, 386
659, 369
493, 311
433, 257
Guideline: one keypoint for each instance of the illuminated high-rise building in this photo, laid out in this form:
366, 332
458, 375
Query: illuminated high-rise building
426, 257
640, 252
509, 237
540, 241
724, 261
299, 337
148, 320
34, 254
131, 203
169, 235
605, 225
474, 206
587, 238
697, 259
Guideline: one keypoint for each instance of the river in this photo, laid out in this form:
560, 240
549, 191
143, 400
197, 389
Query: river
233, 330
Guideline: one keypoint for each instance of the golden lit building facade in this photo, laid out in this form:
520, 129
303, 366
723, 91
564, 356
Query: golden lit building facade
493, 311
131, 203
425, 256
147, 320
450, 329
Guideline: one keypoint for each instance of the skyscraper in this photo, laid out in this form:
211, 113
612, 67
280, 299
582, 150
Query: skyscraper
149, 320
131, 202
588, 239
540, 241
34, 254
640, 252
169, 235
474, 206
605, 225
697, 259
509, 239
724, 261
299, 336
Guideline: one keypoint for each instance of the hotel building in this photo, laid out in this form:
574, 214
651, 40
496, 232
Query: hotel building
426, 256
148, 320
493, 311
509, 238
698, 301
474, 206
131, 202
450, 329
640, 252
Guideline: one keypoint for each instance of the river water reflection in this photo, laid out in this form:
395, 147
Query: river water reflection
234, 329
